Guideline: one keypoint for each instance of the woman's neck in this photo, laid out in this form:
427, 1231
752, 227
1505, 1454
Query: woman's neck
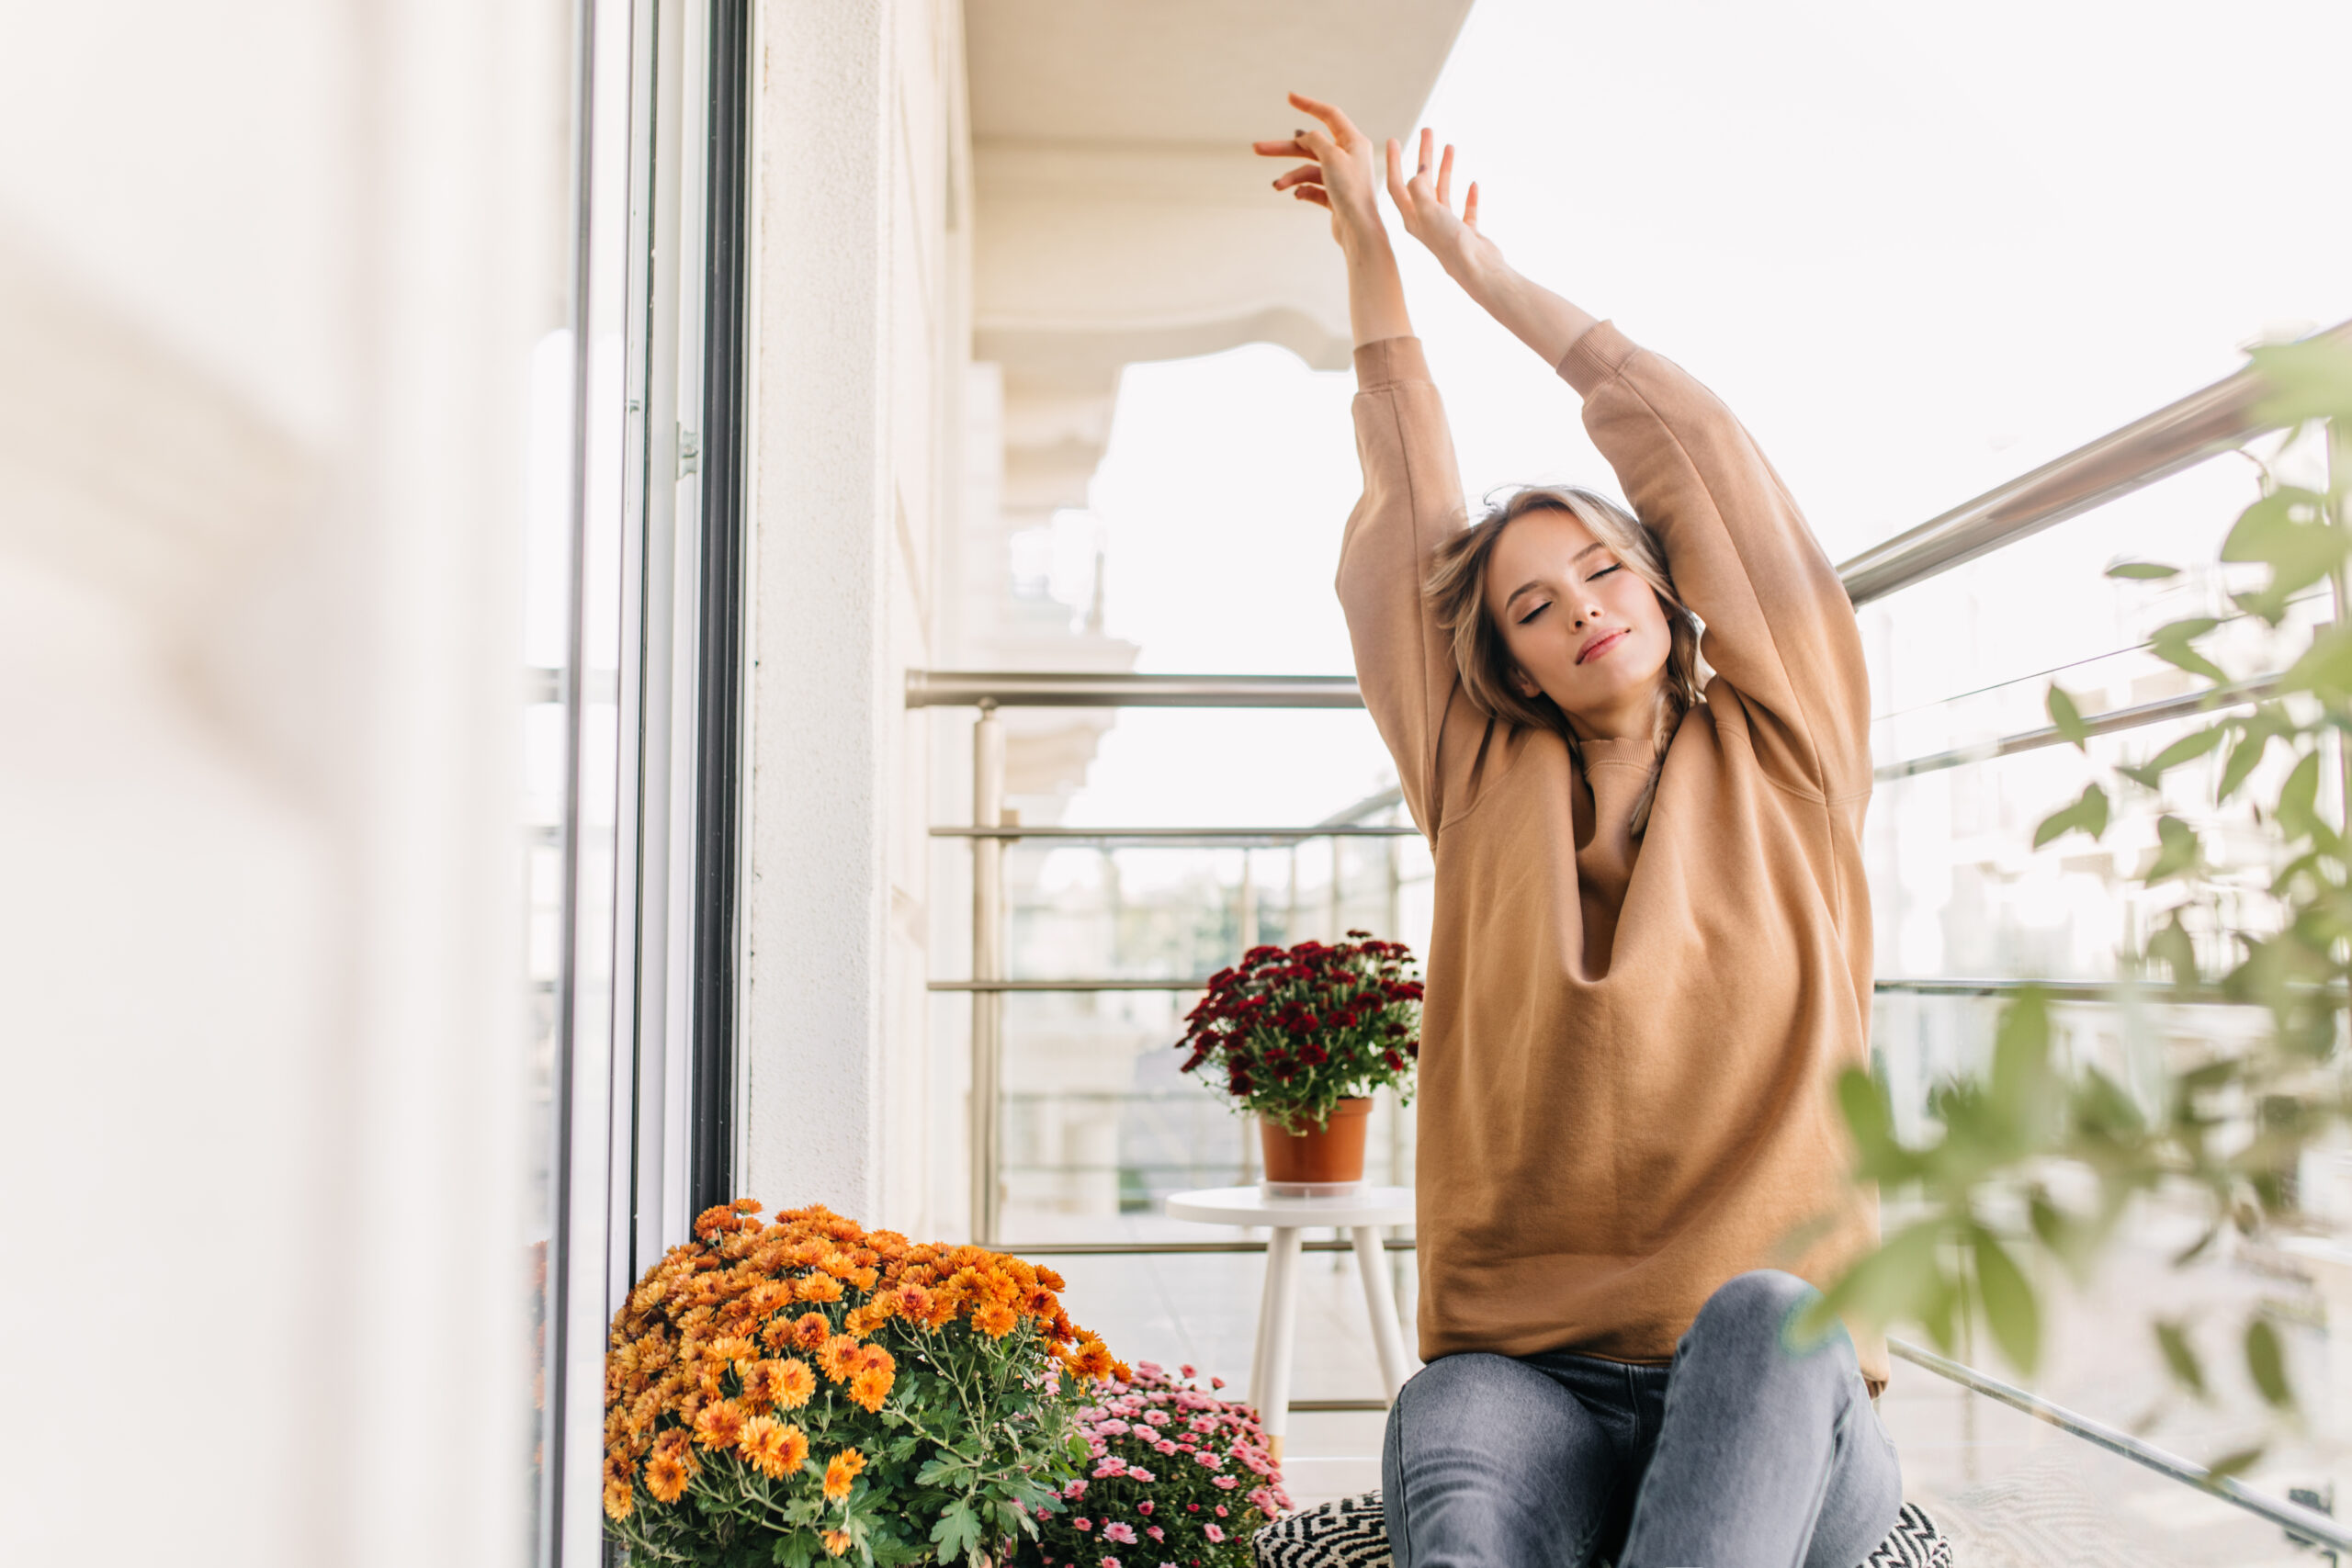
1632, 719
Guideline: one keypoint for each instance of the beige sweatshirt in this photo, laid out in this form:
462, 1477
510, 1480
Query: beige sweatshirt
1628, 1052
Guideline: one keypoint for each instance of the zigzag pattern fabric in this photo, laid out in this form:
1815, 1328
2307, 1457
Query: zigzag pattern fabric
1352, 1533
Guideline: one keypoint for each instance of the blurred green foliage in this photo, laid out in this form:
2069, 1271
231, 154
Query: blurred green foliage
2037, 1155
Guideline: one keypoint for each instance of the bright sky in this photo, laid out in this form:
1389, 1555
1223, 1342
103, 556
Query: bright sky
1918, 250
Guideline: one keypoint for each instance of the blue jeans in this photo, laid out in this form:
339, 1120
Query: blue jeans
1747, 1452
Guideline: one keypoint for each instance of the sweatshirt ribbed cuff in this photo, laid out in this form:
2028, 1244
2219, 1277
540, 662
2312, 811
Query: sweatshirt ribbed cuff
1595, 357
1389, 361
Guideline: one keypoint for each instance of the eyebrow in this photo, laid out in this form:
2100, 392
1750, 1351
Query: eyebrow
1529, 587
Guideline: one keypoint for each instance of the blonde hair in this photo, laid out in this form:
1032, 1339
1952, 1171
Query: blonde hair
1457, 593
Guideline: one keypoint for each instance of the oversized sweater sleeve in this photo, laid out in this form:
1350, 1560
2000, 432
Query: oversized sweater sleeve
1780, 630
1411, 502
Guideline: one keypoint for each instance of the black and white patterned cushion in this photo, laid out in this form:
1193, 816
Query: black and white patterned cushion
1351, 1533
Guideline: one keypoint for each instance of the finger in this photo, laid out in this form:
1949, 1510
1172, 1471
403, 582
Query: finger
1470, 206
1318, 145
1287, 148
1306, 174
1428, 141
1330, 114
1446, 177
1397, 176
1314, 193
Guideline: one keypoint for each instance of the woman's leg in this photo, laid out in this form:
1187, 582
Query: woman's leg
1767, 1456
1489, 1463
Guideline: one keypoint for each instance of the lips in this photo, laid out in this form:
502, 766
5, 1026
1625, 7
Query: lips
1601, 645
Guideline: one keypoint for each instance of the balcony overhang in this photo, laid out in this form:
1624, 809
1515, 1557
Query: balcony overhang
1121, 215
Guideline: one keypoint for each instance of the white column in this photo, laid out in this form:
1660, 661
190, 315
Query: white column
823, 712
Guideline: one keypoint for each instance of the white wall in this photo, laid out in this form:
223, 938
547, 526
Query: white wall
269, 275
862, 331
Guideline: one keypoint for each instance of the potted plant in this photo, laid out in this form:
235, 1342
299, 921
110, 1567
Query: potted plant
1174, 1475
1303, 1036
805, 1390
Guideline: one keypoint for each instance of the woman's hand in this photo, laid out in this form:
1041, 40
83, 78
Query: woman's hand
1536, 316
1426, 204
1339, 178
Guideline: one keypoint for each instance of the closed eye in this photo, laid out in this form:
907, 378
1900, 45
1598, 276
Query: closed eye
1535, 612
1605, 571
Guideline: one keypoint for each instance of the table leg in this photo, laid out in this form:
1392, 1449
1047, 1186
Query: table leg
1380, 1303
1277, 1323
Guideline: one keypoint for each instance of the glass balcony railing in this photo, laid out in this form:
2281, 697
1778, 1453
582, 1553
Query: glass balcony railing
1089, 943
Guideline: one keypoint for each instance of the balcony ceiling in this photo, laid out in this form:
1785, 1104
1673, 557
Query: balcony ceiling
1201, 71
1120, 213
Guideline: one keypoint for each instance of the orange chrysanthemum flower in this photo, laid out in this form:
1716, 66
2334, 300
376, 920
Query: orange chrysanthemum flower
793, 1382
914, 1301
758, 1386
996, 1320
871, 1387
620, 1499
1093, 1357
840, 1471
732, 1349
666, 1477
819, 1288
837, 1542
838, 1358
810, 1331
719, 1425
777, 1335
768, 1444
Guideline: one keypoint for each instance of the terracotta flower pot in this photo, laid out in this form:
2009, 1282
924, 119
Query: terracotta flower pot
1307, 1160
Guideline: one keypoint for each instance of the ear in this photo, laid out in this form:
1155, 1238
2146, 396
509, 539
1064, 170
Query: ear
1524, 684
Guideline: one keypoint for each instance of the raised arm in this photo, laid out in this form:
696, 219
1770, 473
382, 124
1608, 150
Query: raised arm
1780, 632
1412, 497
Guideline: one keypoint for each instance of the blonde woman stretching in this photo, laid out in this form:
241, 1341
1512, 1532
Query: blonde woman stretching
1651, 949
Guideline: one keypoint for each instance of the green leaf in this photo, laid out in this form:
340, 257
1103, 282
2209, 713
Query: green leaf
958, 1533
2170, 643
2173, 948
2178, 851
1872, 1121
2288, 531
2233, 1463
2009, 1305
2022, 1089
2066, 716
2142, 570
2325, 667
2265, 1363
2180, 1356
2088, 814
1903, 1275
2245, 757
2187, 749
2311, 380
2298, 797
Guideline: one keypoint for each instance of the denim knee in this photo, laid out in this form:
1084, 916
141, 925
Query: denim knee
1756, 1310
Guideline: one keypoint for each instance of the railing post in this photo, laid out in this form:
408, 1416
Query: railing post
988, 963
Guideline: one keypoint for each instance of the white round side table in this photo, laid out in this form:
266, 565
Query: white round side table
1362, 1212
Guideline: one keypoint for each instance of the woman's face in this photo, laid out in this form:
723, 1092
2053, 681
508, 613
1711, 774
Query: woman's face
1585, 630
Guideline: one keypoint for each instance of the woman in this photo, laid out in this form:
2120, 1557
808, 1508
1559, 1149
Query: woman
1650, 956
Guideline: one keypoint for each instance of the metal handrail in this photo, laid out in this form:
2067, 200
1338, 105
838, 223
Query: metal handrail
2292, 1517
2218, 699
2179, 436
1256, 838
2151, 991
1087, 689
